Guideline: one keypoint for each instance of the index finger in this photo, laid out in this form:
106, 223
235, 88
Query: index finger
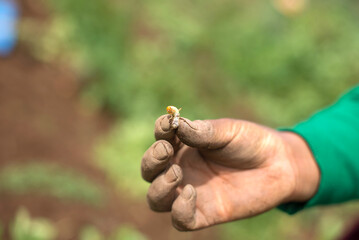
163, 130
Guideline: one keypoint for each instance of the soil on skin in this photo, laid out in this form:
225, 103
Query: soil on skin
41, 119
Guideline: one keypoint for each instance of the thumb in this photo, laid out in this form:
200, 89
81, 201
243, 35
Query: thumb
206, 134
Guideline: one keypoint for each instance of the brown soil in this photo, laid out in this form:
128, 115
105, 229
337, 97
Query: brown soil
41, 119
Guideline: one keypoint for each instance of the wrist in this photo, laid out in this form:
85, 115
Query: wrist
305, 168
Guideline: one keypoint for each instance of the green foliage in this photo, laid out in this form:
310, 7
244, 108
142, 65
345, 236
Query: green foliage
120, 154
91, 233
26, 228
305, 61
261, 227
142, 56
330, 227
125, 232
213, 59
227, 58
311, 224
49, 179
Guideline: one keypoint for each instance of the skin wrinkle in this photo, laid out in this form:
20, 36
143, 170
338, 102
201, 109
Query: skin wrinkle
213, 177
176, 143
176, 170
254, 206
248, 204
254, 151
288, 152
260, 150
185, 120
222, 209
263, 147
236, 135
209, 165
250, 171
198, 213
223, 176
154, 160
231, 139
249, 210
236, 157
160, 196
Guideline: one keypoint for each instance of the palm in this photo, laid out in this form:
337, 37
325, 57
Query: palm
208, 172
222, 188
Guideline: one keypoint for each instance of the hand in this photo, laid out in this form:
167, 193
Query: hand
215, 171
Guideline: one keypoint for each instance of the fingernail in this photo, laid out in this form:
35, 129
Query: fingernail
160, 151
187, 192
165, 124
172, 174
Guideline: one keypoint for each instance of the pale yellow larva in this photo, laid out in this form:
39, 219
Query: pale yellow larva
175, 115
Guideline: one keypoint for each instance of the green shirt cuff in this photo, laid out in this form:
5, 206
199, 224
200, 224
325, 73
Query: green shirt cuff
333, 137
294, 207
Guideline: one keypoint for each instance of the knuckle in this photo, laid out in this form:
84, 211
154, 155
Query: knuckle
162, 150
158, 204
156, 159
146, 175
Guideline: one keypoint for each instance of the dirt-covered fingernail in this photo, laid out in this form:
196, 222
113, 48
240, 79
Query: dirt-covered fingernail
173, 173
165, 124
187, 192
160, 151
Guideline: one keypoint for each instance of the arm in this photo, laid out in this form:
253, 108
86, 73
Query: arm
333, 137
214, 171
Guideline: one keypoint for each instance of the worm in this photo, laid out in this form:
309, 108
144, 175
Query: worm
175, 115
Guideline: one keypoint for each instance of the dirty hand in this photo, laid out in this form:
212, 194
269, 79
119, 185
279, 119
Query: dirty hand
215, 171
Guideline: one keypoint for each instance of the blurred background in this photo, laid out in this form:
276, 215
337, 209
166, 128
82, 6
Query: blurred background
82, 82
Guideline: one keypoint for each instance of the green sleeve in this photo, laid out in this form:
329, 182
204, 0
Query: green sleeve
333, 137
